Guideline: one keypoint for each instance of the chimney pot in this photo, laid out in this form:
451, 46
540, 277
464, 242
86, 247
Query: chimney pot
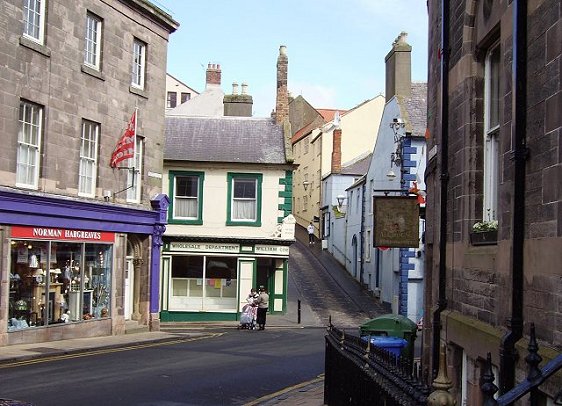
234, 88
244, 88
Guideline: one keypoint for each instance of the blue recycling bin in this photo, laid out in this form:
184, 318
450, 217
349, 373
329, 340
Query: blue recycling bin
391, 344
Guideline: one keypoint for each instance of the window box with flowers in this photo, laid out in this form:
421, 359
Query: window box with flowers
484, 233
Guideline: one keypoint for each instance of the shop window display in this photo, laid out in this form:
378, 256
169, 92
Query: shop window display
204, 283
58, 282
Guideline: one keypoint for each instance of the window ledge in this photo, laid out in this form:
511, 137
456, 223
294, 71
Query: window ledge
242, 223
186, 222
42, 49
138, 92
484, 238
92, 72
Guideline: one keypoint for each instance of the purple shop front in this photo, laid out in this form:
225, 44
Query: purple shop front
73, 268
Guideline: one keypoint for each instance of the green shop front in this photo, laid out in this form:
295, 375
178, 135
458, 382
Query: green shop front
210, 280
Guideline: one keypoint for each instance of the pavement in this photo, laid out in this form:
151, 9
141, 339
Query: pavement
309, 393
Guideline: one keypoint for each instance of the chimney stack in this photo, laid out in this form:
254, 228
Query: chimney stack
213, 76
239, 105
399, 68
282, 100
336, 151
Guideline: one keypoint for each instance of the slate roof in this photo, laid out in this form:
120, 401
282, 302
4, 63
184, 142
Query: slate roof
416, 109
224, 139
359, 167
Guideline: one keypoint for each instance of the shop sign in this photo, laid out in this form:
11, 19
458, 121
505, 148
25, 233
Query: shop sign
272, 249
64, 234
396, 220
204, 247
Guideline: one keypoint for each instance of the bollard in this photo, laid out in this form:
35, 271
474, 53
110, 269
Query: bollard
299, 312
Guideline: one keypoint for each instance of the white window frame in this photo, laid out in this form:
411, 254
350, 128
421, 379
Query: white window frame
197, 178
139, 64
92, 41
491, 132
87, 175
34, 10
29, 145
134, 173
242, 199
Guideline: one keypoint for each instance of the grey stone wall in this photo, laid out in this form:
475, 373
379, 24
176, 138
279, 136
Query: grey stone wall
53, 76
478, 279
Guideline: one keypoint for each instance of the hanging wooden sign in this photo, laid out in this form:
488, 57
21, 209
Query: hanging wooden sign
396, 220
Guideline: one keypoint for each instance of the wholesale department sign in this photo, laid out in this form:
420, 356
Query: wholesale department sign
396, 220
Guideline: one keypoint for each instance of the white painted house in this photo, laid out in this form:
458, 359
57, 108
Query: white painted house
229, 222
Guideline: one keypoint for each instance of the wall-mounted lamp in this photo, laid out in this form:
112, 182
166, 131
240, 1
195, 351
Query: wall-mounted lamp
341, 199
397, 124
305, 185
391, 175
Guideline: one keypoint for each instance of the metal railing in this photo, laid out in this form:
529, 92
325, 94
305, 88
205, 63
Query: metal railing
535, 377
357, 373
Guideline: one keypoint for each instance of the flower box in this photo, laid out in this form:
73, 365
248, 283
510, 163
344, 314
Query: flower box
484, 237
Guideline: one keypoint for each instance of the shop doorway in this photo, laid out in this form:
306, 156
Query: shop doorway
129, 291
265, 268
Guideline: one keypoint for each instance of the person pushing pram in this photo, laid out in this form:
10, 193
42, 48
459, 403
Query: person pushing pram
249, 312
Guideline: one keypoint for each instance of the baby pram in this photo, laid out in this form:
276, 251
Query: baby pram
248, 317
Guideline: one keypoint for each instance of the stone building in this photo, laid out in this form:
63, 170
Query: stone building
80, 247
494, 219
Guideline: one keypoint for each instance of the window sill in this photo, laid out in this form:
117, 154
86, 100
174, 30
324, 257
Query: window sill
244, 223
42, 49
92, 72
138, 92
484, 238
186, 222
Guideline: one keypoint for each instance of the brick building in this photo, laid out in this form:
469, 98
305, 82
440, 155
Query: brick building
80, 240
494, 218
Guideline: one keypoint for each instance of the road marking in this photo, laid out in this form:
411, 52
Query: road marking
89, 353
266, 398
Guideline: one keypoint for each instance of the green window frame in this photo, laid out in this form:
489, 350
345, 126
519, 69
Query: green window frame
240, 191
174, 177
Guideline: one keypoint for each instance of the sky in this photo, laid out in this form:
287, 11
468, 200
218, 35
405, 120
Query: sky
336, 48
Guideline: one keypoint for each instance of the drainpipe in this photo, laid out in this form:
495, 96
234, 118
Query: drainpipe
362, 234
508, 353
444, 179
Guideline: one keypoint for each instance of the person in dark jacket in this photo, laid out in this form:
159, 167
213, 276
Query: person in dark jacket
263, 303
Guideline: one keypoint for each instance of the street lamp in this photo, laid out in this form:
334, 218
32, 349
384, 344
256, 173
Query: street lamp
340, 199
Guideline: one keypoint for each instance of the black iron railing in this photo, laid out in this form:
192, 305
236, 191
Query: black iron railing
357, 373
530, 386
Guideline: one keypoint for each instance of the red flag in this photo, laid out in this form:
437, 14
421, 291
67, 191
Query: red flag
125, 148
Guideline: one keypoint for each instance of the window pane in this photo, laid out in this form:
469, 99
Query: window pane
190, 269
29, 136
493, 99
138, 63
245, 188
172, 99
88, 158
134, 176
32, 18
187, 186
185, 97
92, 40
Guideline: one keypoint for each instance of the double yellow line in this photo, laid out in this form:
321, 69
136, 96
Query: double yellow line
89, 353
